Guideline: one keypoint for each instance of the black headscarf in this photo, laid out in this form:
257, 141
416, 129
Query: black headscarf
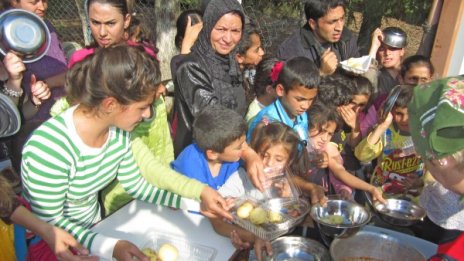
220, 65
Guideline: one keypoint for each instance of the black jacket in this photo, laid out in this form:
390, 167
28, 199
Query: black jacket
195, 89
303, 43
205, 77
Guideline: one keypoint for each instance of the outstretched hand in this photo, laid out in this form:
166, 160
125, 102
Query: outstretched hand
61, 242
213, 205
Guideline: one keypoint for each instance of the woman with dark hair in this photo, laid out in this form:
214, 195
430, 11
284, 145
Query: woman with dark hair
210, 74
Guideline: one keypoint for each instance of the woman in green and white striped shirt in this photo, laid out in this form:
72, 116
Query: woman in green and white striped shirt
71, 157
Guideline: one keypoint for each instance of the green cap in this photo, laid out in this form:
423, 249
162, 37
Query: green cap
436, 117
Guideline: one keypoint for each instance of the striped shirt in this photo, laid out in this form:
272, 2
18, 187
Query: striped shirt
62, 177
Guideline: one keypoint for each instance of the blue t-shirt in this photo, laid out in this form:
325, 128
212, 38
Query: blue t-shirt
192, 163
276, 112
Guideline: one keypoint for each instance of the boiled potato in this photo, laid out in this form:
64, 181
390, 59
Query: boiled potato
244, 210
258, 216
150, 253
275, 217
168, 252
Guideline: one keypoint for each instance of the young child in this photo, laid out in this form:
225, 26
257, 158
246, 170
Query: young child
399, 169
321, 130
279, 147
80, 151
264, 88
219, 135
349, 98
249, 54
388, 55
417, 69
296, 88
436, 123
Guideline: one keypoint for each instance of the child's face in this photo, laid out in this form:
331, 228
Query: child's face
359, 102
127, 117
401, 118
255, 53
448, 172
390, 57
276, 155
417, 75
320, 137
297, 100
233, 152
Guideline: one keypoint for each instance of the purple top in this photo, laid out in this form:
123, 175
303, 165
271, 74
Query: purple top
53, 63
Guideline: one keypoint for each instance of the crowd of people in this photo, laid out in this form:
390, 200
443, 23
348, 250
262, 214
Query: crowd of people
89, 133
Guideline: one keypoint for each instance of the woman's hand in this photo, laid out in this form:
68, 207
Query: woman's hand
260, 245
61, 242
126, 251
40, 91
190, 36
213, 205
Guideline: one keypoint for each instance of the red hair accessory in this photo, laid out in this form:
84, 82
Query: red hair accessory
276, 71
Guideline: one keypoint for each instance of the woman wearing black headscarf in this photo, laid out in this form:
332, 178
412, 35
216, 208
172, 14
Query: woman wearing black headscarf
209, 74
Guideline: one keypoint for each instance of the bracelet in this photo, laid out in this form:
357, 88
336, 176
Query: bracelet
12, 93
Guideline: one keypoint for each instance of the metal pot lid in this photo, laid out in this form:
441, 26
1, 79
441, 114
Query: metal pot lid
24, 33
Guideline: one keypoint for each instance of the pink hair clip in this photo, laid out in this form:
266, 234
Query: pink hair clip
276, 71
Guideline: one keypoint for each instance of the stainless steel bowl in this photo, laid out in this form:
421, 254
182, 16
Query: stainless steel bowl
354, 217
297, 248
399, 212
372, 246
25, 34
394, 37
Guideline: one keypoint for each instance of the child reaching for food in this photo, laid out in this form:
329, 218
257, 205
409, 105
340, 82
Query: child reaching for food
279, 147
323, 123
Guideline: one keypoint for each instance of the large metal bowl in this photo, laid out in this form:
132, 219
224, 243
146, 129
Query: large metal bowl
25, 34
354, 217
297, 248
367, 245
399, 212
394, 37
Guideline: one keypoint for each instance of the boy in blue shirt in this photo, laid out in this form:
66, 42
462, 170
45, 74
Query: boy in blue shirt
296, 87
219, 140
